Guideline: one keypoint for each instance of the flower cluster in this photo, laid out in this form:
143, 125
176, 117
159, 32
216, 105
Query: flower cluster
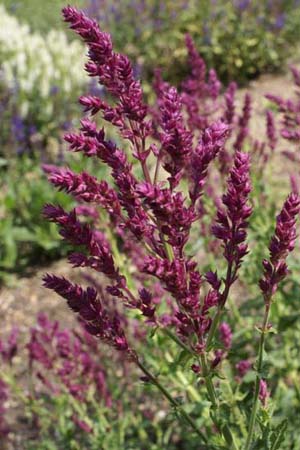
152, 206
282, 243
263, 392
289, 126
290, 110
90, 309
210, 144
160, 217
232, 222
67, 356
9, 348
243, 122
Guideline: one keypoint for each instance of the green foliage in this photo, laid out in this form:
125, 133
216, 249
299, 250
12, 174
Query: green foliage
40, 15
145, 420
239, 42
243, 43
128, 431
25, 237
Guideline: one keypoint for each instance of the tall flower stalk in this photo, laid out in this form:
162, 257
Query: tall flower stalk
275, 270
152, 204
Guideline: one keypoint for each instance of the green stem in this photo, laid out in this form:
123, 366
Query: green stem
208, 382
230, 274
156, 169
139, 150
231, 441
213, 327
258, 376
178, 341
227, 436
236, 410
172, 401
168, 249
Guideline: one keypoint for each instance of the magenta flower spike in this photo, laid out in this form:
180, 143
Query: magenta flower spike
134, 231
281, 244
232, 221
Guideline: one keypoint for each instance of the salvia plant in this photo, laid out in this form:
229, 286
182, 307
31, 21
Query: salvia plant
177, 159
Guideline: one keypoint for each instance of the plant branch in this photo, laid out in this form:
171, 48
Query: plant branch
258, 376
171, 400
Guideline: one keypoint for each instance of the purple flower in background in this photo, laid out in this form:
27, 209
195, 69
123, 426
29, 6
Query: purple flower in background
88, 305
83, 425
230, 102
280, 21
243, 367
206, 34
271, 130
95, 88
54, 90
4, 428
66, 125
244, 122
66, 357
263, 392
18, 130
225, 335
9, 348
242, 5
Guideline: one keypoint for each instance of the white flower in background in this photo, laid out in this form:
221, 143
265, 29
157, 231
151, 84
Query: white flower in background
34, 67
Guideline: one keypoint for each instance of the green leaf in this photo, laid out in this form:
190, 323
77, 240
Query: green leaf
227, 434
278, 435
183, 358
288, 321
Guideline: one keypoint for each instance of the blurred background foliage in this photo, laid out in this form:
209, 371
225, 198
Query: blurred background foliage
239, 38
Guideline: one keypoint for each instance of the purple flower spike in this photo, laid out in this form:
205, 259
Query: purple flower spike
244, 122
271, 130
88, 305
210, 144
176, 139
230, 102
264, 394
232, 222
243, 367
84, 187
225, 335
282, 243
